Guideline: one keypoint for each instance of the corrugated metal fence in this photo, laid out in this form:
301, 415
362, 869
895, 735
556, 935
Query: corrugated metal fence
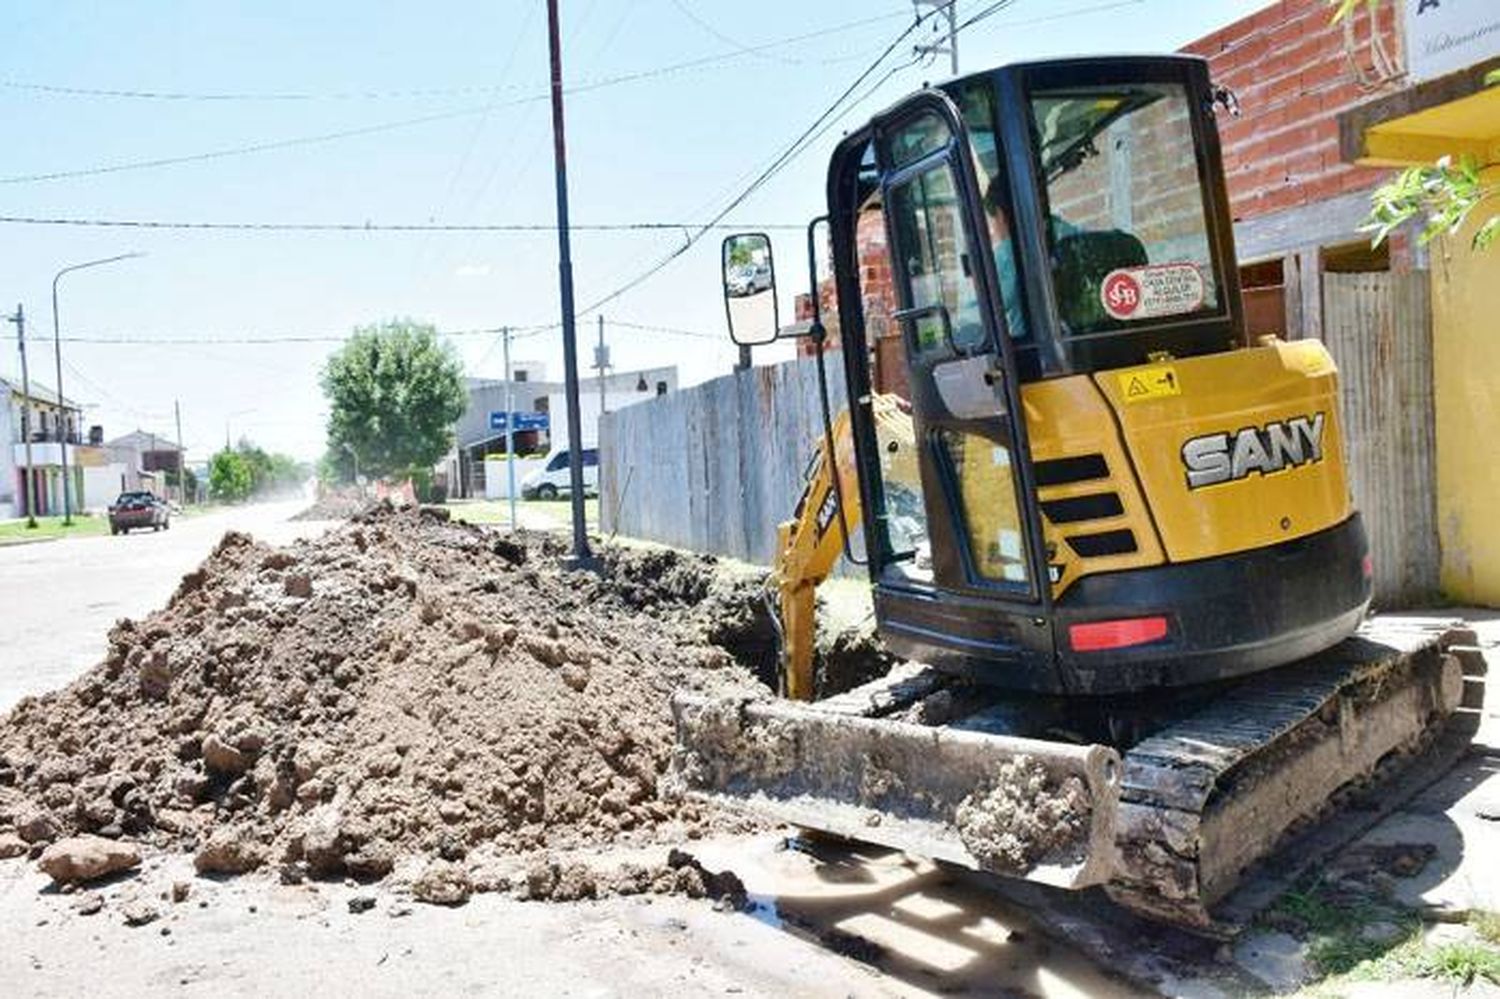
1378, 328
715, 467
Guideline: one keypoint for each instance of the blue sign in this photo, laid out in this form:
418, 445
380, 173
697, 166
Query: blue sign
520, 421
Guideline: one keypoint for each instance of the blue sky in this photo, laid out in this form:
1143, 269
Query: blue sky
672, 146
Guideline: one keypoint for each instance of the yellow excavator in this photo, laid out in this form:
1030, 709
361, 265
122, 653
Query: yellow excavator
1109, 535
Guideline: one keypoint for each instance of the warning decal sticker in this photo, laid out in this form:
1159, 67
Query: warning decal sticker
1147, 292
1154, 382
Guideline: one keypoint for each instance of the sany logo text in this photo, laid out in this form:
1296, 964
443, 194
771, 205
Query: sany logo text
1215, 458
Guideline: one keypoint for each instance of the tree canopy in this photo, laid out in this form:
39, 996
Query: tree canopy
234, 475
394, 393
229, 477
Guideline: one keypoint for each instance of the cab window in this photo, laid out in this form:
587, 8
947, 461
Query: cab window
559, 460
1127, 228
937, 268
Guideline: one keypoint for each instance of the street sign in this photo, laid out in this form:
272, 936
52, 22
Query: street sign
519, 421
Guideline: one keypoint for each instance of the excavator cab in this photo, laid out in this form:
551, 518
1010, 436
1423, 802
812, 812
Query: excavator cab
1106, 488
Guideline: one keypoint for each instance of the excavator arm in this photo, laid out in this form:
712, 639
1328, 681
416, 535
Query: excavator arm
808, 545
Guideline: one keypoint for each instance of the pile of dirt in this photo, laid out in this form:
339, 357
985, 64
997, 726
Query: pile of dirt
402, 688
337, 505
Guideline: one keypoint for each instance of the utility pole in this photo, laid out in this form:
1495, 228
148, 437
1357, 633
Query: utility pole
581, 554
510, 427
949, 10
20, 320
601, 361
181, 455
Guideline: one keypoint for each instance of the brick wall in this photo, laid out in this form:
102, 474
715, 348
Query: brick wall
1293, 73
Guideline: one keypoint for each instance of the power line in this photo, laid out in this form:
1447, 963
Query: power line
425, 92
517, 332
687, 12
515, 227
669, 330
801, 142
306, 140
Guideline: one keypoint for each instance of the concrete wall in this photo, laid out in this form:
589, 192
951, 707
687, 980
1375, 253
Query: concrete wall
101, 484
1466, 357
715, 467
497, 478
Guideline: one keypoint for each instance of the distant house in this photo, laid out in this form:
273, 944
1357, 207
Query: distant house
54, 427
481, 431
147, 459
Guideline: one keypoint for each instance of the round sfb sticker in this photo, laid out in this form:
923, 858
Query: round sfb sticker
1147, 292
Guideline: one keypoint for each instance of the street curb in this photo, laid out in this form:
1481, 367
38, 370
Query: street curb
23, 542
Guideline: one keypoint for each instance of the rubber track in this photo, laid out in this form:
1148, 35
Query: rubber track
1172, 779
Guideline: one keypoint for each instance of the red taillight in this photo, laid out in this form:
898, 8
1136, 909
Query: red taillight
1096, 636
1367, 566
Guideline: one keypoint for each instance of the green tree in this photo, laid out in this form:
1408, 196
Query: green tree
229, 478
394, 392
1443, 195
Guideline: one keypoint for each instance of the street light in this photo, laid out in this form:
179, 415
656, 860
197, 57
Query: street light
57, 351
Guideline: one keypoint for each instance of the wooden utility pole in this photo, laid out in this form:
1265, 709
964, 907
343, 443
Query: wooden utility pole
20, 320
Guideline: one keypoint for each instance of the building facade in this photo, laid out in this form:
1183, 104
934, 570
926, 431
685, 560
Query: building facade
146, 462
1448, 107
53, 426
543, 419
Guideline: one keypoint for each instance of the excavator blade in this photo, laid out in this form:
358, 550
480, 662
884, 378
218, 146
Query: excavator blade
1028, 808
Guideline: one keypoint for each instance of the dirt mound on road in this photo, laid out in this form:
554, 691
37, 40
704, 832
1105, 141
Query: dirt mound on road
336, 506
401, 687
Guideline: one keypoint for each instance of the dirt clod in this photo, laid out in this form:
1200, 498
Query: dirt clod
12, 845
442, 883
87, 858
1024, 817
139, 912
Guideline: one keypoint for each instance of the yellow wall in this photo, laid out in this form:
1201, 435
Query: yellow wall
1466, 376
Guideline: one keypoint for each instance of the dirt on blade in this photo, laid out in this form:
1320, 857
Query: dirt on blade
401, 688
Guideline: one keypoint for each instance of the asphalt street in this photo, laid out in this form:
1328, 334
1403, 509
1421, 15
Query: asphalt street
59, 598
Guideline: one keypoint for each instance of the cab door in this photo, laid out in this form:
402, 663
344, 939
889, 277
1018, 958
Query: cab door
962, 580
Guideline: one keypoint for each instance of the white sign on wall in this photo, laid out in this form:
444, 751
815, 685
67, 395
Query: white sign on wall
1445, 36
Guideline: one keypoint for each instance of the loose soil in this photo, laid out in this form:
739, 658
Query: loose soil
336, 506
403, 688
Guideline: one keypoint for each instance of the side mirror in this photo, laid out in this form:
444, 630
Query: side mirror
750, 289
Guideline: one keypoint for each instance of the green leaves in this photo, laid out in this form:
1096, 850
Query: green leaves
229, 478
394, 392
1442, 195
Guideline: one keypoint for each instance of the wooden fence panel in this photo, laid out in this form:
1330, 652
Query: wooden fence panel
1378, 328
715, 467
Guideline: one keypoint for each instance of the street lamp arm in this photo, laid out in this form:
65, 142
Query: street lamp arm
57, 353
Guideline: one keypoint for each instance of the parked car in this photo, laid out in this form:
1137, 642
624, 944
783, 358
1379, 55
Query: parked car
552, 479
139, 509
750, 279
